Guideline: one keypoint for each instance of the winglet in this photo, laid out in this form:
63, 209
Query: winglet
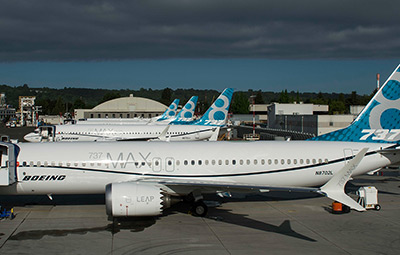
163, 135
215, 134
334, 188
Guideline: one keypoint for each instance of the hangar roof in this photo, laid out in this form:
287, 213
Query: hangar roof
131, 103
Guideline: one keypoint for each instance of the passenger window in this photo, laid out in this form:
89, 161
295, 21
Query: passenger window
262, 161
206, 162
269, 161
60, 163
200, 162
38, 163
193, 162
314, 161
226, 162
295, 161
307, 161
320, 161
326, 161
185, 162
178, 162
233, 162
68, 164
301, 161
31, 163
276, 161
282, 161
219, 162
248, 162
213, 162
255, 162
24, 163
45, 163
76, 164
289, 162
241, 162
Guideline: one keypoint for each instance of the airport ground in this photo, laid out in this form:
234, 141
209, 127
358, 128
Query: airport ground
277, 223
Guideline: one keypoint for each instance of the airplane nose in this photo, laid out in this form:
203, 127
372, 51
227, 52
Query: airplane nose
31, 137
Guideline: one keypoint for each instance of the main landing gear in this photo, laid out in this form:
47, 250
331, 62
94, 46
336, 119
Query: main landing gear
199, 209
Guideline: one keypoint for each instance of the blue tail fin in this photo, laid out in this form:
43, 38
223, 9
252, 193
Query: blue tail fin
379, 121
170, 112
217, 114
187, 112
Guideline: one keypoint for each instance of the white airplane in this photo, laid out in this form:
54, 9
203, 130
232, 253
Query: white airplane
142, 178
206, 128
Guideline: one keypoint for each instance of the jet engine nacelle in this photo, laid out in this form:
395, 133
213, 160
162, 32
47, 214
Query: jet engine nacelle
133, 199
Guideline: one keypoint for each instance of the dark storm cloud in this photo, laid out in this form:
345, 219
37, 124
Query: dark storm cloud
117, 30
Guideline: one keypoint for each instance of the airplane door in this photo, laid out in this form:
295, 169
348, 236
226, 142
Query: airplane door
170, 164
348, 155
8, 153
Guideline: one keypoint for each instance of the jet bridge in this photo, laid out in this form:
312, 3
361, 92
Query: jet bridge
8, 162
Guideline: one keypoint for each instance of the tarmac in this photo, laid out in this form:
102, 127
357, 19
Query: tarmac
276, 223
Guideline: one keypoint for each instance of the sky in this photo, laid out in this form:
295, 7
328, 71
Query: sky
306, 46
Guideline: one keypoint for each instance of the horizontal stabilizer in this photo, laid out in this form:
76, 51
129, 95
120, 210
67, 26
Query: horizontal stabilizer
334, 188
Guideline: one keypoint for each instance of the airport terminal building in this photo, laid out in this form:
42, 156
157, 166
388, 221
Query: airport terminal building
123, 107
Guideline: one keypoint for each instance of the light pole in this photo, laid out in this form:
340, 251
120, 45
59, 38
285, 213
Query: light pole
254, 116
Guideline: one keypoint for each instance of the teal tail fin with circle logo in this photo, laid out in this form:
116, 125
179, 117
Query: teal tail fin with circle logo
379, 121
187, 112
170, 112
217, 114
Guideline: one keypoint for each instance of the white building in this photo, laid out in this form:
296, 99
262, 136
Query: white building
124, 107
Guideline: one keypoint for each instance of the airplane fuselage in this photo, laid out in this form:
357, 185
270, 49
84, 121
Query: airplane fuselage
84, 168
82, 133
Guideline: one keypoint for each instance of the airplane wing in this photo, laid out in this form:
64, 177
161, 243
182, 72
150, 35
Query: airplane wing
333, 189
220, 186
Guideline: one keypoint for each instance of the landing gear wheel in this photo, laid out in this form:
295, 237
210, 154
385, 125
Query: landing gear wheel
199, 209
377, 207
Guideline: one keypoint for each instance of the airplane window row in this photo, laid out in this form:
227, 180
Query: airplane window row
254, 162
186, 162
124, 133
76, 164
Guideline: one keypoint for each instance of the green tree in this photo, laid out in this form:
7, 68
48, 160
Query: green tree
284, 97
109, 96
166, 96
59, 107
79, 104
337, 107
240, 103
259, 98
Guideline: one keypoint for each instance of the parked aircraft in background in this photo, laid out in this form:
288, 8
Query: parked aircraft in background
206, 128
142, 178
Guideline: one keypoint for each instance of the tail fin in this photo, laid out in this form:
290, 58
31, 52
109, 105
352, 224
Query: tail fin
170, 112
379, 121
187, 112
217, 114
